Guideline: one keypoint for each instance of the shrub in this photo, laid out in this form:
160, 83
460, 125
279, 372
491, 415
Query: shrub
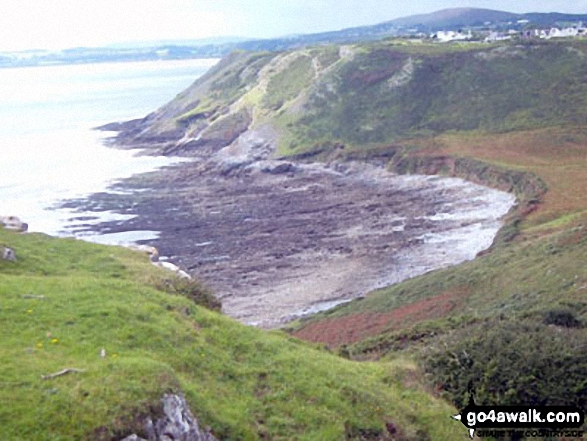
561, 317
510, 363
192, 289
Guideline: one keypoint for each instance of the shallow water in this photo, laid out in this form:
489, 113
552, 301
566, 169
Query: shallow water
49, 151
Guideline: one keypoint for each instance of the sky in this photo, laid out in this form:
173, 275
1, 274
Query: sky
59, 24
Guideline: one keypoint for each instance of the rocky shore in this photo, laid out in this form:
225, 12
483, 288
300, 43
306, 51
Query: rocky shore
277, 240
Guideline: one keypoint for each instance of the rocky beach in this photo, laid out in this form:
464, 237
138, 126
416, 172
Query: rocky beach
277, 239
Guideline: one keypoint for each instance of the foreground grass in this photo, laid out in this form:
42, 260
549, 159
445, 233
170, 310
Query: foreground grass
65, 300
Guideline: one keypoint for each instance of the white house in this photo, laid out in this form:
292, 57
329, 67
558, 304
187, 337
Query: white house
497, 36
571, 32
446, 36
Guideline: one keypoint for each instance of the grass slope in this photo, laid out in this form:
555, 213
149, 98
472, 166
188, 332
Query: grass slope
380, 93
65, 300
498, 308
386, 92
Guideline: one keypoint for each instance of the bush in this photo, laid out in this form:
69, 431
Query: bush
511, 363
561, 317
193, 290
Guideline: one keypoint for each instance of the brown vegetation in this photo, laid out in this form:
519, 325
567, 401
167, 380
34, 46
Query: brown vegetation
358, 327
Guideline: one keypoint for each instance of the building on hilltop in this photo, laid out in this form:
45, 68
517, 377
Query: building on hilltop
446, 36
570, 32
496, 36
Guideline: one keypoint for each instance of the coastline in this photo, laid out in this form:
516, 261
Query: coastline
277, 240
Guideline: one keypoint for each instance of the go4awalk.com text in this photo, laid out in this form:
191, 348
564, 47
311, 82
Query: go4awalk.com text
522, 421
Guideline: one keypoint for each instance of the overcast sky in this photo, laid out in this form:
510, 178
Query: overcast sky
53, 24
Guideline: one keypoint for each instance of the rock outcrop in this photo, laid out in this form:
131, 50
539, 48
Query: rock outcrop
153, 254
171, 267
177, 424
8, 254
13, 223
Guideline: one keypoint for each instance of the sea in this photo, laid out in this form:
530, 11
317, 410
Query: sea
49, 150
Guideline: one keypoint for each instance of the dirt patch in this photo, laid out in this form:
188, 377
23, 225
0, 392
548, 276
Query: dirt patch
358, 327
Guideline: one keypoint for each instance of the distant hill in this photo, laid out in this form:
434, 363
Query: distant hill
554, 18
475, 19
447, 18
455, 18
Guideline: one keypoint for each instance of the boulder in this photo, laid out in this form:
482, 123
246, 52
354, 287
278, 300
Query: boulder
279, 168
171, 267
177, 424
13, 223
154, 256
8, 254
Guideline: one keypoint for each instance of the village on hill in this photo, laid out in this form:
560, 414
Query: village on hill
491, 36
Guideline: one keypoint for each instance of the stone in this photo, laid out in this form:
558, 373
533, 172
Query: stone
171, 267
13, 223
183, 275
177, 424
8, 254
134, 437
280, 168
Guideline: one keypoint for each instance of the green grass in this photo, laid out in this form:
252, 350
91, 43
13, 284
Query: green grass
288, 83
515, 328
473, 88
64, 300
388, 92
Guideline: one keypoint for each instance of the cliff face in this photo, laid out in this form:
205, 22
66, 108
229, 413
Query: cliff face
334, 97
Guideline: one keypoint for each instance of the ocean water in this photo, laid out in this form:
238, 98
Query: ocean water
48, 150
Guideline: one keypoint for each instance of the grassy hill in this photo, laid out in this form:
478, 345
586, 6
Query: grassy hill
377, 94
64, 300
508, 115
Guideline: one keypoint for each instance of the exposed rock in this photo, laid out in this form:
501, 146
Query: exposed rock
171, 267
182, 274
134, 437
279, 168
280, 245
8, 254
177, 424
153, 254
13, 223
120, 126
